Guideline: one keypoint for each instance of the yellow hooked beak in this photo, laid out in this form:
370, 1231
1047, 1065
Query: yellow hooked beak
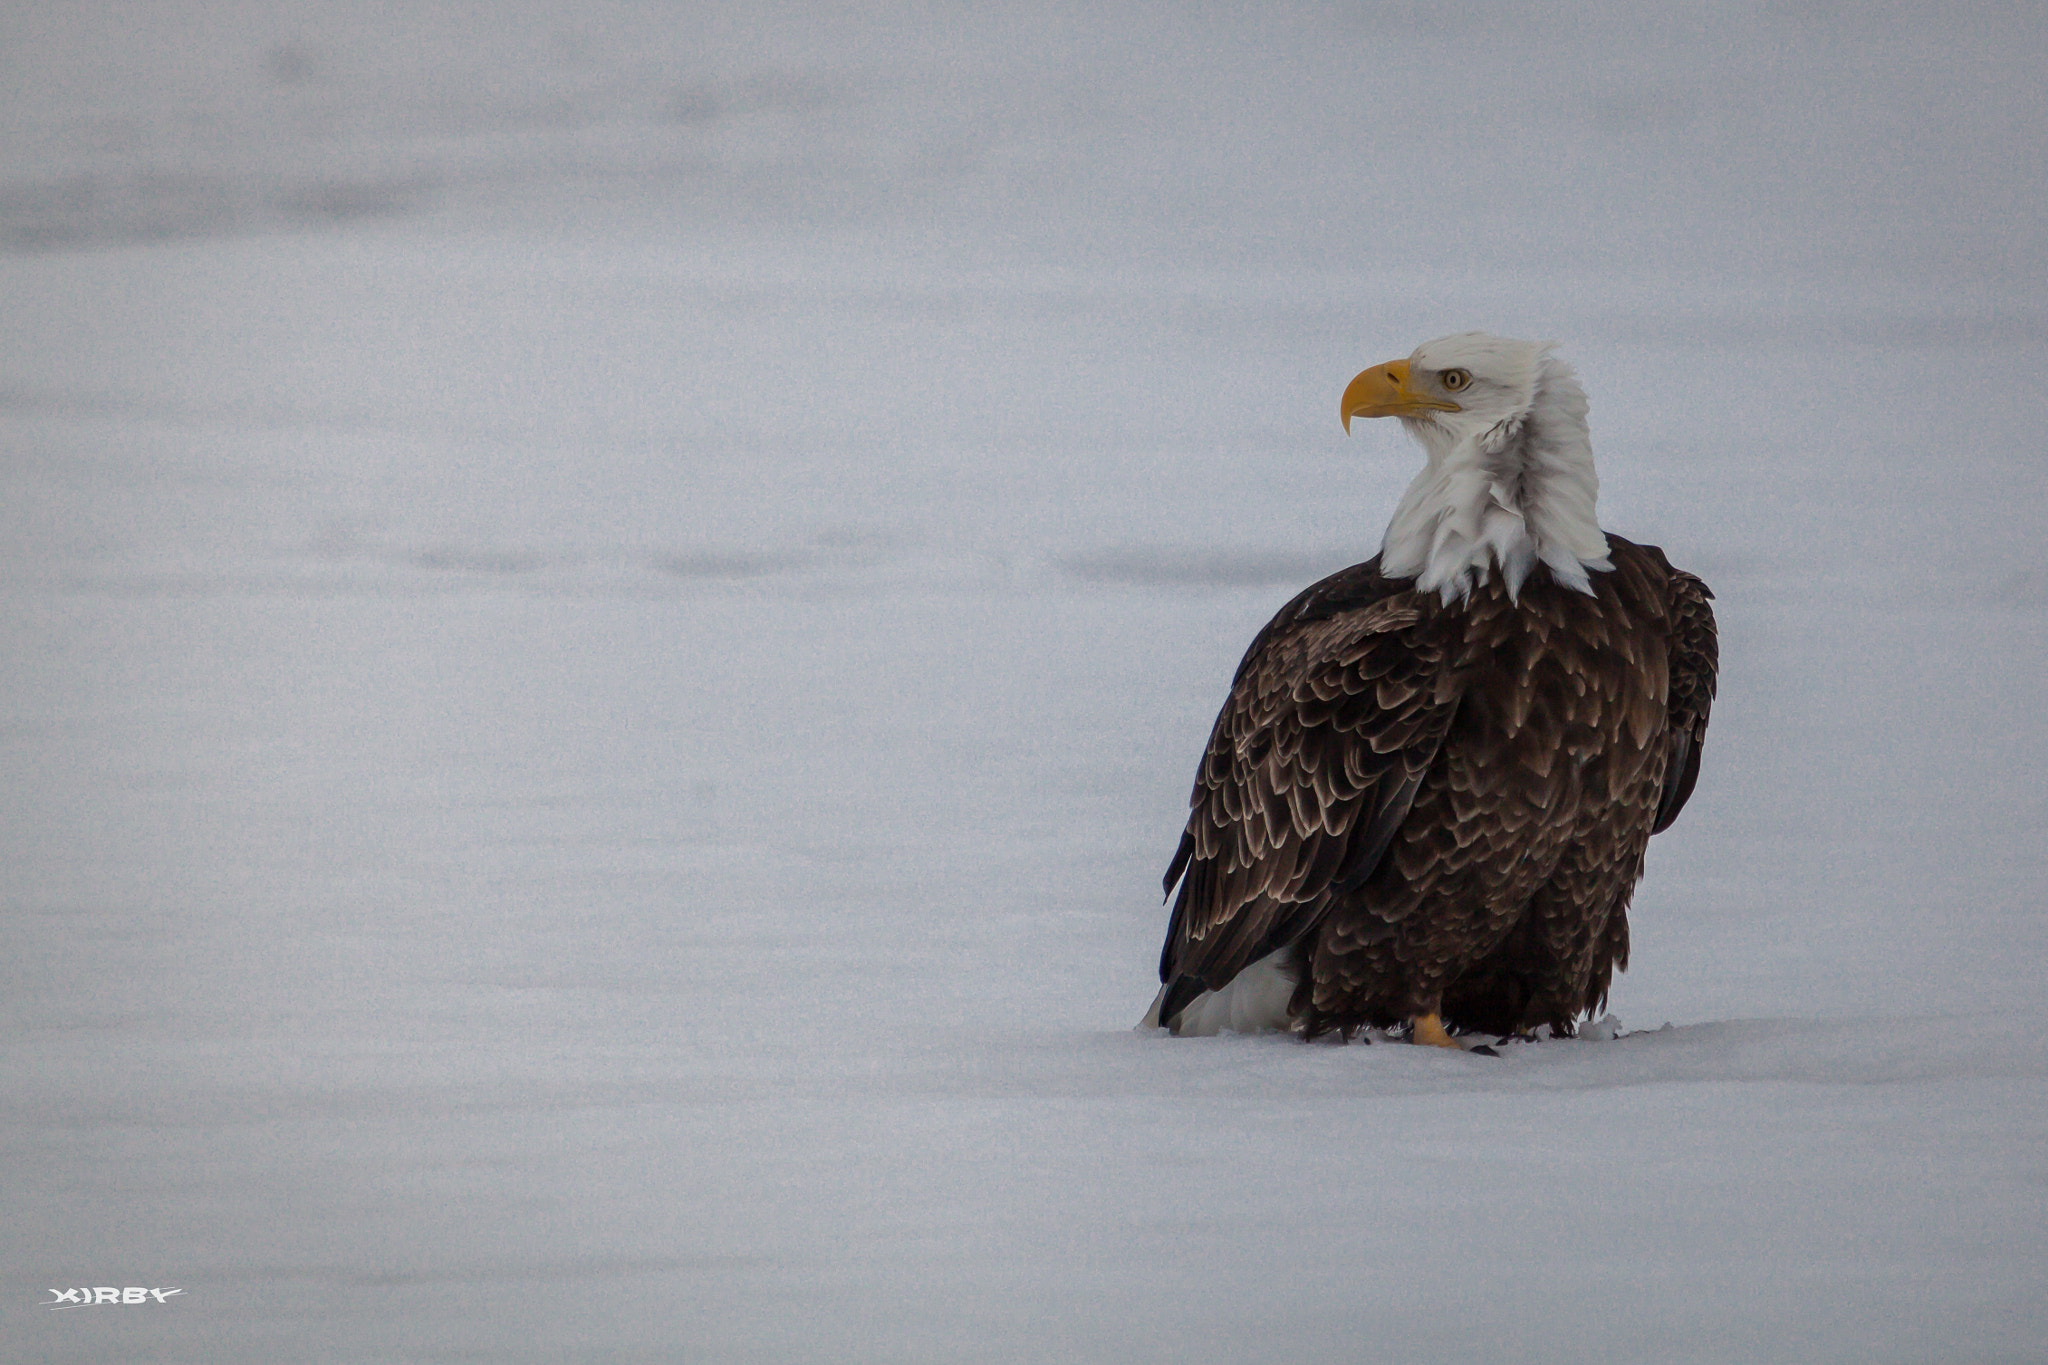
1384, 391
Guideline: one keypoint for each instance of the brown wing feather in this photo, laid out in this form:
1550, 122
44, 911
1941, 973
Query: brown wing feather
1695, 672
1335, 714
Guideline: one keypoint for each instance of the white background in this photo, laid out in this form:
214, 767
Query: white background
606, 613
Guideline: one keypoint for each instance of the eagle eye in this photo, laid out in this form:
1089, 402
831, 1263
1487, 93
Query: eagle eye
1456, 379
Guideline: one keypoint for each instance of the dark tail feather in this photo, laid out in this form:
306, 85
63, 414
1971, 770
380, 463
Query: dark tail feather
1179, 864
1180, 993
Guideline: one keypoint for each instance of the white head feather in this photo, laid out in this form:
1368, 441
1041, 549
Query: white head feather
1509, 483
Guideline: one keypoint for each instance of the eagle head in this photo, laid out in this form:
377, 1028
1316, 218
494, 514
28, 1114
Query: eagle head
1469, 383
1509, 484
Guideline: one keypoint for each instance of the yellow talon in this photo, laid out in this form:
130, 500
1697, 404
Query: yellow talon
1429, 1030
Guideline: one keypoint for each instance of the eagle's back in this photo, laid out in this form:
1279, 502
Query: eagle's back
1441, 806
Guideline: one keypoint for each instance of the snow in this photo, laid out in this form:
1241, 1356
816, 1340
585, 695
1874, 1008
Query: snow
609, 611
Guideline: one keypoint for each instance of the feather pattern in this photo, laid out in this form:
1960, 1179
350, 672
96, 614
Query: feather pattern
1424, 806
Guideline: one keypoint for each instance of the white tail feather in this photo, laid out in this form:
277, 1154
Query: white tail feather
1255, 1001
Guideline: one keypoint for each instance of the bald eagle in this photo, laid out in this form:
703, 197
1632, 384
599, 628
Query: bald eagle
1426, 801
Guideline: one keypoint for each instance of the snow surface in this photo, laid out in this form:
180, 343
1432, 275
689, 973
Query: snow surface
608, 612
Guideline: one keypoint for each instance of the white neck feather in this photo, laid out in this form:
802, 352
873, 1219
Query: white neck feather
1512, 495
